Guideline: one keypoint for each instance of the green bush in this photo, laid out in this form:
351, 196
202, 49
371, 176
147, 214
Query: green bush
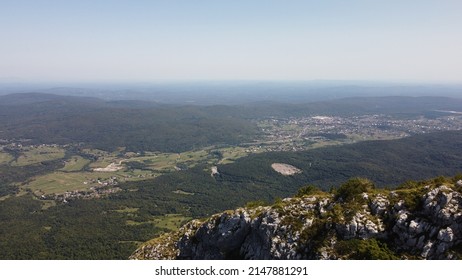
308, 190
457, 177
353, 187
369, 249
412, 199
409, 184
455, 180
440, 180
256, 203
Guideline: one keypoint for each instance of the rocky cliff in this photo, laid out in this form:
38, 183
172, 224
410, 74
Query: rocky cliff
356, 221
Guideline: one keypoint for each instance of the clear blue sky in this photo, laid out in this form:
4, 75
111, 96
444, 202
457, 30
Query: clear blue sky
134, 40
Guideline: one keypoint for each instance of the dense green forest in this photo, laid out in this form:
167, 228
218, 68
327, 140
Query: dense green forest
147, 126
107, 126
385, 162
111, 227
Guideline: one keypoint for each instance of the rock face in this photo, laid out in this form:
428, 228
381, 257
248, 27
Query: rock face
419, 223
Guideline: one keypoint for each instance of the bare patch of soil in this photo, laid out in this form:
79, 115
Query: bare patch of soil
285, 169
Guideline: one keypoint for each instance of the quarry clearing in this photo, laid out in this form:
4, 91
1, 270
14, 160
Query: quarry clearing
110, 168
285, 169
214, 171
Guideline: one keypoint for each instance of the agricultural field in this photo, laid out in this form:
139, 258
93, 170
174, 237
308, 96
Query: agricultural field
80, 172
230, 154
36, 154
168, 222
168, 161
127, 210
103, 158
5, 157
94, 168
127, 167
61, 182
75, 163
155, 161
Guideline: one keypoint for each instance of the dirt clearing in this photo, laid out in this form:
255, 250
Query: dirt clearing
285, 169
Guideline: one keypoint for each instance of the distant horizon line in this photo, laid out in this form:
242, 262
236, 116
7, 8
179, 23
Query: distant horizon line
24, 82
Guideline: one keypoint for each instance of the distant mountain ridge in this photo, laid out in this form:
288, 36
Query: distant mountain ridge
238, 92
29, 98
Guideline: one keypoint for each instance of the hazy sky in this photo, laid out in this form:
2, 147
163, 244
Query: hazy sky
134, 40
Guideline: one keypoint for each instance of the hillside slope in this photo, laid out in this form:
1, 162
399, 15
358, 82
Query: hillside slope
387, 163
357, 221
53, 119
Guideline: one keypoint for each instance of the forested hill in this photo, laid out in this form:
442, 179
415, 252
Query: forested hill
149, 126
390, 105
45, 118
386, 162
38, 99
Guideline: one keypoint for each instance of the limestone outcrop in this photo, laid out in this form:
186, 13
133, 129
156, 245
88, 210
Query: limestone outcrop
420, 222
